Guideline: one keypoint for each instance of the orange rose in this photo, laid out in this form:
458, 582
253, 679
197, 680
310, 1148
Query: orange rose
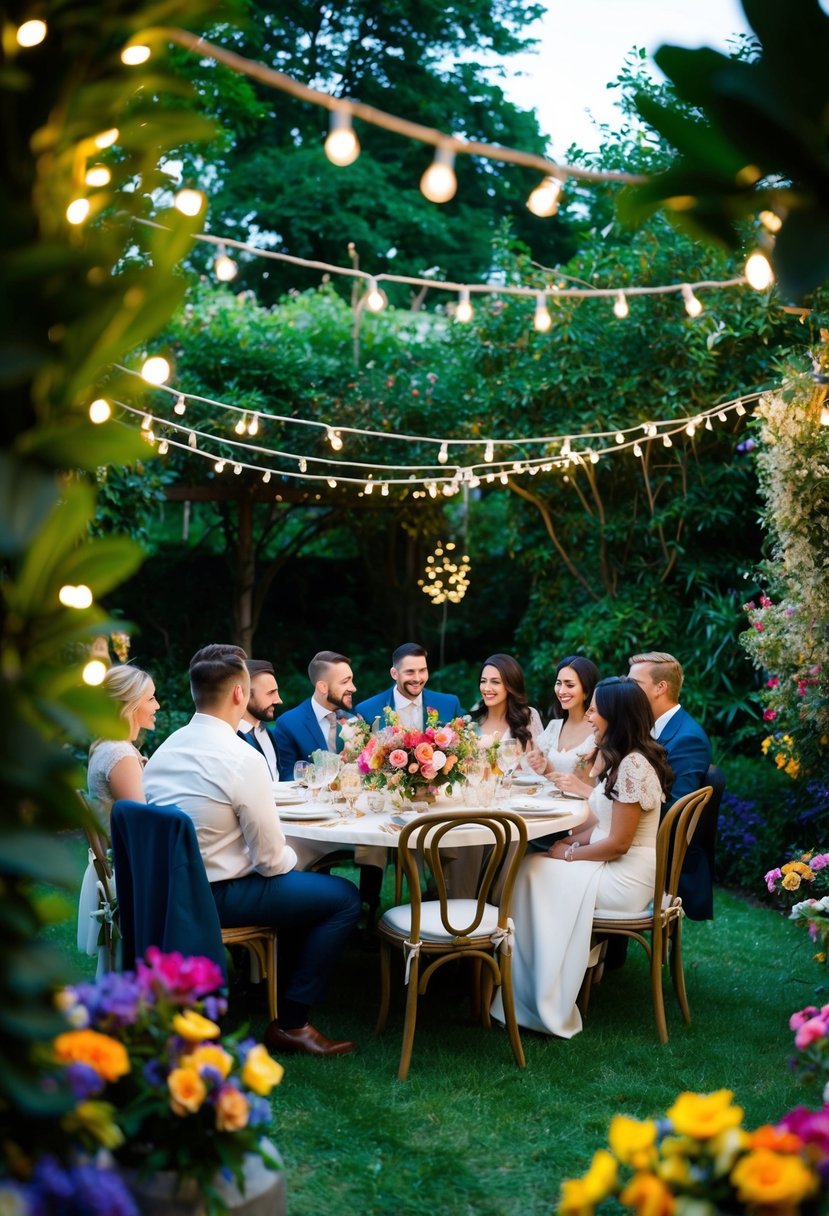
187, 1091
108, 1057
232, 1110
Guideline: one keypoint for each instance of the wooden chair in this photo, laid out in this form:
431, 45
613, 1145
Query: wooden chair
260, 943
107, 912
663, 920
445, 929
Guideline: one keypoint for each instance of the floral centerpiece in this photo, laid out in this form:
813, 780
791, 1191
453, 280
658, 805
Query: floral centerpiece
811, 1038
411, 762
159, 1084
810, 868
699, 1159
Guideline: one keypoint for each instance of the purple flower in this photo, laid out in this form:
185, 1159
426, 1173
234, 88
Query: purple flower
84, 1081
111, 1001
771, 877
101, 1193
812, 1126
259, 1111
155, 1073
819, 861
215, 1007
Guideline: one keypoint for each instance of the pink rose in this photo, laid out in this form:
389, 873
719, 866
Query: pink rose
398, 758
802, 1017
769, 879
809, 1033
444, 737
820, 861
769, 715
424, 753
428, 772
413, 768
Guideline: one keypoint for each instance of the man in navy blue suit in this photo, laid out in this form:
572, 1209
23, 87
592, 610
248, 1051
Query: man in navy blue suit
261, 708
408, 696
660, 677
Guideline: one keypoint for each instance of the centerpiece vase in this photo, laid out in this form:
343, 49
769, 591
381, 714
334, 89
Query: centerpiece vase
165, 1194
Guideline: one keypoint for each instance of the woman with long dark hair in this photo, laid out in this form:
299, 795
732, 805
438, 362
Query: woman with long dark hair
609, 863
567, 745
504, 711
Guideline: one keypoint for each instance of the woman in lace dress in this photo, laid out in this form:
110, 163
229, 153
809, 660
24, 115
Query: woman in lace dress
503, 711
115, 771
609, 863
567, 744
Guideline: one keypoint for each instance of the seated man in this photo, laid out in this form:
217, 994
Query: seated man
224, 785
261, 708
409, 696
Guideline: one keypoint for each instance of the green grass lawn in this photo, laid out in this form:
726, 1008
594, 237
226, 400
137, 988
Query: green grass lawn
469, 1134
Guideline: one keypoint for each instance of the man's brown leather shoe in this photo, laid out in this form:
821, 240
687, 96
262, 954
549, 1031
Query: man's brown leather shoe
306, 1039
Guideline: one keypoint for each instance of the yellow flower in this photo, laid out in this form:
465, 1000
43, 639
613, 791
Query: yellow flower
261, 1072
193, 1027
96, 1118
766, 744
674, 1171
791, 881
209, 1055
792, 769
579, 1196
767, 1179
648, 1196
232, 1110
703, 1116
798, 867
187, 1091
780, 759
632, 1142
108, 1057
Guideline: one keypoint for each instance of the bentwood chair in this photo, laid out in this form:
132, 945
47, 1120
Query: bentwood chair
431, 933
166, 899
106, 913
662, 921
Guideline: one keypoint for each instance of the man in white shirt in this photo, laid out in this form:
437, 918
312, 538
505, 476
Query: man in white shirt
261, 708
224, 785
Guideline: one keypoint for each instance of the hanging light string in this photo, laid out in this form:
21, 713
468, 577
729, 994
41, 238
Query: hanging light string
463, 290
443, 142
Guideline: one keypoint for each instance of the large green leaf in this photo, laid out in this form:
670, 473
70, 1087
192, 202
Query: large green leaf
801, 253
59, 533
101, 563
29, 854
76, 442
27, 495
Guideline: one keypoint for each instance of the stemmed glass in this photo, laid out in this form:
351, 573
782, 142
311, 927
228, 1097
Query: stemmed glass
329, 764
315, 779
509, 753
475, 771
300, 774
351, 784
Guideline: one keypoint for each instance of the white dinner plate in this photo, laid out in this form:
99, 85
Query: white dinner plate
538, 806
529, 779
287, 797
307, 812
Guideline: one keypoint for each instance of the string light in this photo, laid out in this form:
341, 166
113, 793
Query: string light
693, 307
384, 490
98, 175
146, 422
219, 466
332, 483
544, 199
31, 33
163, 448
342, 146
375, 300
242, 425
78, 210
619, 437
489, 451
191, 440
620, 307
266, 476
439, 182
134, 55
253, 425
106, 138
180, 405
447, 575
542, 321
739, 408
443, 454
758, 271
335, 439
770, 221
463, 311
667, 441
224, 267
237, 469
100, 411
94, 672
75, 597
156, 370
637, 449
189, 202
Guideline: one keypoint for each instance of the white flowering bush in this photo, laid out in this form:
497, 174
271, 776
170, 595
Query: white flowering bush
788, 634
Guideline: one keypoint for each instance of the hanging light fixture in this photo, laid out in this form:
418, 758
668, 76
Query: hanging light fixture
224, 267
375, 300
758, 271
342, 147
620, 307
544, 199
542, 320
463, 312
693, 307
439, 182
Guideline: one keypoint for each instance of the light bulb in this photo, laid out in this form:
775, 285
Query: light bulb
31, 33
667, 441
690, 430
708, 425
75, 597
189, 202
770, 221
542, 319
594, 459
335, 439
241, 425
224, 267
98, 175
443, 454
237, 469
106, 138
722, 416
332, 483
463, 312
375, 299
439, 183
191, 440
384, 491
637, 450
219, 466
146, 422
544, 199
368, 488
342, 147
739, 409
99, 411
824, 416
620, 437
692, 305
758, 271
134, 55
163, 448
303, 464
266, 476
78, 210
156, 370
94, 672
180, 406
489, 451
253, 425
620, 307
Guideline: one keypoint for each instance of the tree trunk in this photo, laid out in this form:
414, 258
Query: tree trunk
245, 580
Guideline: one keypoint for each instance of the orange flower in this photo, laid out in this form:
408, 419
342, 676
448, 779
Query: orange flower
776, 1139
798, 867
703, 1116
648, 1196
765, 1179
209, 1055
193, 1027
187, 1091
232, 1110
108, 1057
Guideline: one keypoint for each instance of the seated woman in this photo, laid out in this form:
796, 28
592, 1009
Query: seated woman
504, 711
567, 744
115, 771
609, 863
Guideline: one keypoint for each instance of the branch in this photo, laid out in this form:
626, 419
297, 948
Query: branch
544, 512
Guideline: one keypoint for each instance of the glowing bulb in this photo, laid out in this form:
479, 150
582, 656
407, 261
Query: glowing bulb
191, 439
708, 425
253, 425
489, 451
106, 138
667, 441
134, 55
504, 479
163, 448
75, 597
146, 422
219, 466
98, 175
94, 672
384, 490
637, 450
739, 409
690, 430
770, 221
443, 454
542, 319
78, 210
758, 271
332, 483
335, 439
620, 437
242, 425
824, 416
180, 406
368, 488
189, 202
156, 370
439, 183
463, 312
594, 459
342, 147
375, 300
620, 307
224, 267
266, 476
237, 469
31, 33
722, 416
692, 304
99, 411
544, 199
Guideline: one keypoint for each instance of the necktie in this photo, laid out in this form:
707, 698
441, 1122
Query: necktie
332, 731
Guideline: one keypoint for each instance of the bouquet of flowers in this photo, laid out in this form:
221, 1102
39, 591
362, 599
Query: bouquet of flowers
700, 1159
811, 1038
411, 761
810, 867
157, 1083
814, 913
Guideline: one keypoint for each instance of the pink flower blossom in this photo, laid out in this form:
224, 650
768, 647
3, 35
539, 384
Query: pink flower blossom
771, 877
819, 861
765, 602
809, 1033
424, 753
758, 625
802, 1017
444, 737
183, 978
398, 758
413, 768
428, 772
773, 682
769, 715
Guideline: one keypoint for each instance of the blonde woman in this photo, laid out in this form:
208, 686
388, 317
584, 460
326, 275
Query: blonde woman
115, 771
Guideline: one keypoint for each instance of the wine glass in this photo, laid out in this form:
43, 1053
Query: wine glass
300, 770
329, 763
351, 784
475, 771
315, 779
509, 753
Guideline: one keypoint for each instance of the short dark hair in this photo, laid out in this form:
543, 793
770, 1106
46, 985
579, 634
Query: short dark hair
259, 667
408, 650
213, 669
322, 661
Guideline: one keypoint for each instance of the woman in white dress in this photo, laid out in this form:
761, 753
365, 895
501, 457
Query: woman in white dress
609, 863
567, 744
503, 711
115, 771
